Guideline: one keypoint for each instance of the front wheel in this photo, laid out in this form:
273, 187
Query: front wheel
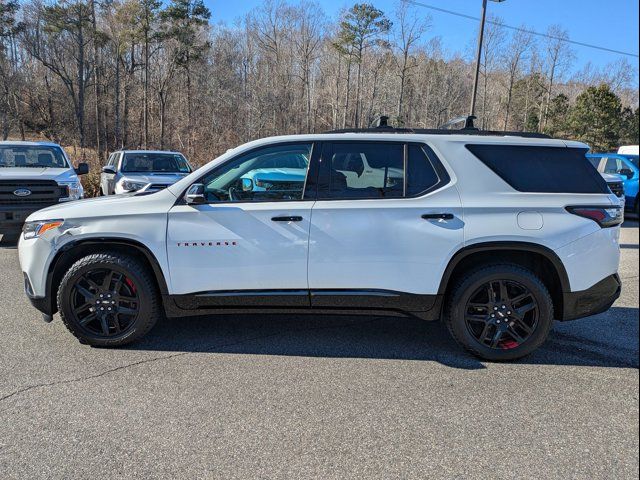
500, 312
108, 300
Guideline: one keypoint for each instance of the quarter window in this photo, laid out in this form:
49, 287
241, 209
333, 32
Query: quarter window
267, 174
541, 169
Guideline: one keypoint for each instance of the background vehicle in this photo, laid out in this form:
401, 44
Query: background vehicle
445, 224
34, 175
632, 150
133, 170
624, 165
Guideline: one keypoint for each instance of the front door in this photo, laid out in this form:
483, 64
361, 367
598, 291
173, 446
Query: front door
248, 244
385, 223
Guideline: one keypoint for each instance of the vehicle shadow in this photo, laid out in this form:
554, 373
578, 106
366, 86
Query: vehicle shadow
579, 343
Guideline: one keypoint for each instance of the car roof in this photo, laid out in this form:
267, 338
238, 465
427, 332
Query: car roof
26, 143
507, 139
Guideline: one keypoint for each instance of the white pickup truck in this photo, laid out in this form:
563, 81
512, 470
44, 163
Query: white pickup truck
34, 175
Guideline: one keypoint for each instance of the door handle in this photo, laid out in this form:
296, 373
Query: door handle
287, 219
438, 216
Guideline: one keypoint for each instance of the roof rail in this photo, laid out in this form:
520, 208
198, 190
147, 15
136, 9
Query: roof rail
382, 126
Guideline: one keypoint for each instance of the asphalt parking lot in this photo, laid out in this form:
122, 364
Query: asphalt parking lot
316, 397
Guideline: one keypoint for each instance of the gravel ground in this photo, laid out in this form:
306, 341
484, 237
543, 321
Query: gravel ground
316, 397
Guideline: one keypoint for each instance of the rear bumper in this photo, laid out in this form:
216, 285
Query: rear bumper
591, 301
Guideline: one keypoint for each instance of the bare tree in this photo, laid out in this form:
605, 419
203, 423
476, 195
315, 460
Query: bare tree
513, 58
494, 38
558, 57
409, 30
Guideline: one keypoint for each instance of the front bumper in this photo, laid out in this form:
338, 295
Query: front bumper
592, 301
42, 304
12, 217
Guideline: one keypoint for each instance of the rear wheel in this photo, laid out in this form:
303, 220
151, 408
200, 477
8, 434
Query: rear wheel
500, 312
108, 299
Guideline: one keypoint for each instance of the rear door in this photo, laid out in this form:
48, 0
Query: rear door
385, 224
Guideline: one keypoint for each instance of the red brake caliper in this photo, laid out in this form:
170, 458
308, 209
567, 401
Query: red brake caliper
130, 284
508, 345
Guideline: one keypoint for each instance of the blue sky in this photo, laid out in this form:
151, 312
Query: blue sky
609, 23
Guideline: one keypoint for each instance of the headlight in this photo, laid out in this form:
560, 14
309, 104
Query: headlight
37, 229
74, 190
131, 186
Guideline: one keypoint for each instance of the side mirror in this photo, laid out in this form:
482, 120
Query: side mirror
82, 169
247, 185
109, 170
195, 194
627, 172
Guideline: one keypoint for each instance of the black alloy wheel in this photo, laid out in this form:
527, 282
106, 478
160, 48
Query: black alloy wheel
502, 314
105, 302
109, 299
499, 312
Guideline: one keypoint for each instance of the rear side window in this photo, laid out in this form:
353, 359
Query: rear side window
542, 169
377, 170
367, 170
421, 171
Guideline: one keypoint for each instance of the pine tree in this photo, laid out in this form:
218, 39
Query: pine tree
361, 28
596, 118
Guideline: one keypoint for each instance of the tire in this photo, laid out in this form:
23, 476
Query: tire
131, 288
523, 328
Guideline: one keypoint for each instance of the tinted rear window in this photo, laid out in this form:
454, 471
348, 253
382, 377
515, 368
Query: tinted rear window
421, 175
542, 169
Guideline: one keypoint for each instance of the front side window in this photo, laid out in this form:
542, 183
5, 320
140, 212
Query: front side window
367, 170
32, 157
145, 162
266, 174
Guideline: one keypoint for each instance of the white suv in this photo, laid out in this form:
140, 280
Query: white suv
498, 234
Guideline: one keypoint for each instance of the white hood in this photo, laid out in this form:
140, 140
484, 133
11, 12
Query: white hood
48, 173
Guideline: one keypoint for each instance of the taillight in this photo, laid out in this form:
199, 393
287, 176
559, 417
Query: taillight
604, 216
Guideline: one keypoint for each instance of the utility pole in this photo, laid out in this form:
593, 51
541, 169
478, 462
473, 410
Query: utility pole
474, 92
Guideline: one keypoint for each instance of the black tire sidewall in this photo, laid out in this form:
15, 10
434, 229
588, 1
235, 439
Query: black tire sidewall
460, 297
144, 295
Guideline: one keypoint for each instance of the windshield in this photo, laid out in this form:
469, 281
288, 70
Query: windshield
633, 158
32, 156
155, 162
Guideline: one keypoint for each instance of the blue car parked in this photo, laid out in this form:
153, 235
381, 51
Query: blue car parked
624, 165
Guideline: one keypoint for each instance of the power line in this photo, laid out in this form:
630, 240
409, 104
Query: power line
524, 30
